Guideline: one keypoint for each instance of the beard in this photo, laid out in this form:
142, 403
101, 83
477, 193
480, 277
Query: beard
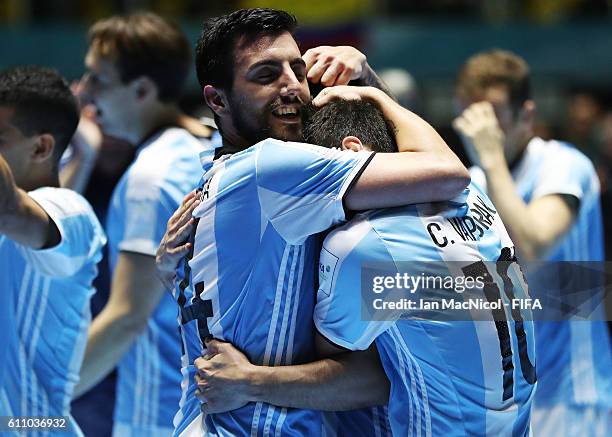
256, 127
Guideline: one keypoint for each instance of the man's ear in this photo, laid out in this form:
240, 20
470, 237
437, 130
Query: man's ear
352, 143
144, 88
43, 148
527, 114
215, 99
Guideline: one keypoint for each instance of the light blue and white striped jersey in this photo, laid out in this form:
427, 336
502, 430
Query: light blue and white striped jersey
250, 279
574, 358
47, 292
166, 168
448, 377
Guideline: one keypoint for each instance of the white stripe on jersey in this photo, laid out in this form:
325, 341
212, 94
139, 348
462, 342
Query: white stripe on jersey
279, 423
275, 315
296, 303
289, 297
23, 291
400, 345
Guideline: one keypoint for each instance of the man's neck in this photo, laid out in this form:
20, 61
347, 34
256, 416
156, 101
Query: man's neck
154, 119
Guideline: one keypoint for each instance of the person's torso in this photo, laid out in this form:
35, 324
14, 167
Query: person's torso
49, 317
468, 375
574, 358
165, 169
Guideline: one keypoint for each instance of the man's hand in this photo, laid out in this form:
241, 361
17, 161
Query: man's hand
335, 65
345, 92
482, 135
223, 377
174, 244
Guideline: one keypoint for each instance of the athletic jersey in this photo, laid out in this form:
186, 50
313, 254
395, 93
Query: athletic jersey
574, 358
448, 377
250, 279
166, 167
47, 293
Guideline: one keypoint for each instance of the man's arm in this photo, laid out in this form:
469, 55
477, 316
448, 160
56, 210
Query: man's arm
534, 227
135, 293
425, 170
21, 218
342, 381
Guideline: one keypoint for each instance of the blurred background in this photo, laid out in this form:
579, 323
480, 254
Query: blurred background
417, 45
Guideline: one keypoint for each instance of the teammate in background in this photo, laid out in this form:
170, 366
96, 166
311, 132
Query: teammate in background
447, 377
250, 275
50, 243
137, 65
547, 194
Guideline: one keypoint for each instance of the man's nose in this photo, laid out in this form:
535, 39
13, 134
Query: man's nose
291, 85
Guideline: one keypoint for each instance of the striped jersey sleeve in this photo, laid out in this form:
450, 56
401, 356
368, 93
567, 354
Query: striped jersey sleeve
81, 234
339, 297
301, 186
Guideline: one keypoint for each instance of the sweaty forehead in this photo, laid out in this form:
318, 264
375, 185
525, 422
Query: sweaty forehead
277, 48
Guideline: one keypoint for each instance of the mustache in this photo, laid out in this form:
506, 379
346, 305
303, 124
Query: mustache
286, 100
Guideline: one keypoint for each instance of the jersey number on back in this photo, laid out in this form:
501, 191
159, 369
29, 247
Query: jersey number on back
492, 293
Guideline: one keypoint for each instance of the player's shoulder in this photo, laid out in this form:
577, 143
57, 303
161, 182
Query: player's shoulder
277, 150
351, 236
67, 202
558, 152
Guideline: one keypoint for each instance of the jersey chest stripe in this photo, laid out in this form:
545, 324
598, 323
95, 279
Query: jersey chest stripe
32, 295
37, 392
282, 338
23, 291
302, 258
422, 385
289, 303
279, 423
42, 306
402, 371
275, 314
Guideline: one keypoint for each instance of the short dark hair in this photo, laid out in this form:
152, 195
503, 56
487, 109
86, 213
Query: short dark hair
492, 68
42, 101
330, 124
215, 47
145, 44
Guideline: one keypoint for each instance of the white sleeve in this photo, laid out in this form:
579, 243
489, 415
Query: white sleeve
81, 234
301, 187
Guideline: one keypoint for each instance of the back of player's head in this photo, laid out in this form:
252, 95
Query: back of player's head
495, 68
329, 125
42, 103
144, 44
216, 45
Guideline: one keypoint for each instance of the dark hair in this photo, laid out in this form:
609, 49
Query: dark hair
492, 68
219, 36
337, 120
144, 44
42, 101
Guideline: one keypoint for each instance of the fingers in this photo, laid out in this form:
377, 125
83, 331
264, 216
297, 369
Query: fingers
189, 196
345, 77
310, 57
316, 71
331, 74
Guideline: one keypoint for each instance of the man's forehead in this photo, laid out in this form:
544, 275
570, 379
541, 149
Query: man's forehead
279, 47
